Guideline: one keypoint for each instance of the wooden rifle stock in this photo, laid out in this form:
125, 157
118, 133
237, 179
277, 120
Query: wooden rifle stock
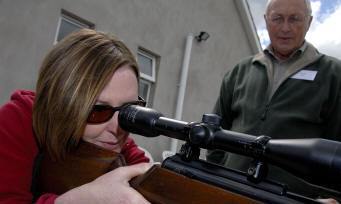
81, 166
162, 186
180, 181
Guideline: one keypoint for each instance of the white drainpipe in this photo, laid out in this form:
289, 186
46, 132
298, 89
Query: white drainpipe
182, 86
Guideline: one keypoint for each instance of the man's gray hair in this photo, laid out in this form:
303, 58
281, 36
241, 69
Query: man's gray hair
307, 3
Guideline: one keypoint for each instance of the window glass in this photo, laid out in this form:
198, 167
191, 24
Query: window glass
144, 89
146, 64
67, 26
68, 23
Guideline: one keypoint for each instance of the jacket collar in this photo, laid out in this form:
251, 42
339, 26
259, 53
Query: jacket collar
309, 55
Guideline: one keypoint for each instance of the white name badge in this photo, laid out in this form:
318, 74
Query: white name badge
305, 75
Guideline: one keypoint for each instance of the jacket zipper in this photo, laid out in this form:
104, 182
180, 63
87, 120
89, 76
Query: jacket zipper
263, 116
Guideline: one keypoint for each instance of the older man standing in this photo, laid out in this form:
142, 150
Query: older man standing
289, 90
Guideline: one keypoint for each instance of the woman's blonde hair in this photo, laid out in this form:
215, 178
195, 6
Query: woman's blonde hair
71, 77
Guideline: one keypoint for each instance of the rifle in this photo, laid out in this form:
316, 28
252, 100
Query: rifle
184, 178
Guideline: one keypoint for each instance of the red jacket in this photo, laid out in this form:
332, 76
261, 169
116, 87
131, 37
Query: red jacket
18, 150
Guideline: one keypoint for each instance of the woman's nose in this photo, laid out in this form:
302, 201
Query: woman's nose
113, 123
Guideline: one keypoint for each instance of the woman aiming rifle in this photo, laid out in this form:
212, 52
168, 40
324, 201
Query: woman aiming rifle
70, 124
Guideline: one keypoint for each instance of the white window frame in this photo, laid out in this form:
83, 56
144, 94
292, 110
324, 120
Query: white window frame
153, 58
149, 84
73, 20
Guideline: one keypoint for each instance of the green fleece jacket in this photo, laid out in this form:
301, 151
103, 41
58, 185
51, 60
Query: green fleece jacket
306, 103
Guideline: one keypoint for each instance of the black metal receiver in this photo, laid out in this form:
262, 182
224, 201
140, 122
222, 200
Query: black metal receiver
317, 161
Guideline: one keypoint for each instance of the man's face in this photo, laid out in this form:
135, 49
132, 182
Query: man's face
287, 22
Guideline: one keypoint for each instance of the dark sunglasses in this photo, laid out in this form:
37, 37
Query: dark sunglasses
103, 113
